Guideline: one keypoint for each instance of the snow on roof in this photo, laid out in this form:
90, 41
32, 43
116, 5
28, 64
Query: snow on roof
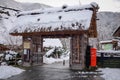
114, 32
108, 51
107, 41
52, 19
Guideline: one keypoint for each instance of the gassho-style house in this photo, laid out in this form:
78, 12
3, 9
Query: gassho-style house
77, 22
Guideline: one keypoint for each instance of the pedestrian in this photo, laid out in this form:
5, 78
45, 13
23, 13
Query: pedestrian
63, 62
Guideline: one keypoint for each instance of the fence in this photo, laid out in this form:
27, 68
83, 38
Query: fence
108, 59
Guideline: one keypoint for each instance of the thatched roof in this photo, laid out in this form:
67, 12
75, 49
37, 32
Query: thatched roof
117, 32
55, 19
3, 48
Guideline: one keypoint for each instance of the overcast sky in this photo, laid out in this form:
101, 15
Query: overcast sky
105, 5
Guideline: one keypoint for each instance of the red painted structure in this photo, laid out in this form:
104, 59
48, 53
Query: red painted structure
93, 57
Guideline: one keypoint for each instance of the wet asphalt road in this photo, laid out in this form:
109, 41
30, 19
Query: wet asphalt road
47, 73
50, 72
43, 73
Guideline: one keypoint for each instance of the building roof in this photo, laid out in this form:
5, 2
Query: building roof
55, 19
116, 33
3, 48
109, 41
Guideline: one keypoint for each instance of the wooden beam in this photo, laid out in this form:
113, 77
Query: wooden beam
53, 33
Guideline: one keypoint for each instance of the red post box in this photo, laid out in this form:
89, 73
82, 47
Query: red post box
93, 57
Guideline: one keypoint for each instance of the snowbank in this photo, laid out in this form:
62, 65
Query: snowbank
8, 71
54, 60
111, 73
50, 52
64, 56
1, 55
52, 43
10, 54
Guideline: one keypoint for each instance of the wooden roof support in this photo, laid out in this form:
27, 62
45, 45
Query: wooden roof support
117, 32
63, 33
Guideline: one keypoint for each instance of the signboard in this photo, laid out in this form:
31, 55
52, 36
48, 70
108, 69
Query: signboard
26, 45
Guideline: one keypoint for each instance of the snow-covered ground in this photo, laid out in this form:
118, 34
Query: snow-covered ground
51, 60
111, 73
108, 73
8, 71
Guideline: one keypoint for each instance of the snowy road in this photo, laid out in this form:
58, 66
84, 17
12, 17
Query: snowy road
50, 72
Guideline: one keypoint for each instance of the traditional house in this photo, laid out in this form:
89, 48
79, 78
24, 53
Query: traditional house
3, 48
117, 32
78, 23
108, 44
112, 44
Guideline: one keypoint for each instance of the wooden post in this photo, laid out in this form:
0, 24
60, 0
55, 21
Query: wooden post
37, 47
78, 49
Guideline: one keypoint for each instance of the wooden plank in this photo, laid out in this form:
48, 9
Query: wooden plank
93, 26
51, 33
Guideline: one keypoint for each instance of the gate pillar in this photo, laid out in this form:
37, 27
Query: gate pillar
37, 47
78, 48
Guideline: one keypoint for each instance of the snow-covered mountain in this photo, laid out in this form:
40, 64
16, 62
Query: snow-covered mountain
107, 23
21, 6
8, 10
33, 6
11, 4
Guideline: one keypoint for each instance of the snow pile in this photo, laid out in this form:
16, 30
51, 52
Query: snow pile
1, 55
54, 60
11, 52
110, 73
8, 71
109, 51
50, 60
10, 55
50, 52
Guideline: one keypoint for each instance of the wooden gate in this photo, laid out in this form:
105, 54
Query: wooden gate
78, 48
37, 58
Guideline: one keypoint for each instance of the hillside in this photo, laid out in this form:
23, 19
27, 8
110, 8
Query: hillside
21, 6
8, 10
107, 23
